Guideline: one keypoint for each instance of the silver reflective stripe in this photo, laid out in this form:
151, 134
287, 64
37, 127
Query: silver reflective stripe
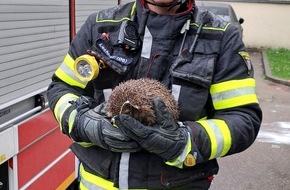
176, 91
107, 93
185, 150
62, 109
218, 136
62, 104
147, 44
233, 93
70, 73
71, 120
124, 171
91, 186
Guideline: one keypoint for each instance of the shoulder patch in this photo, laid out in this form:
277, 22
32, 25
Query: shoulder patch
246, 57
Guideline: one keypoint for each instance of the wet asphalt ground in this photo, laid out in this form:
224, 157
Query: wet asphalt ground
266, 164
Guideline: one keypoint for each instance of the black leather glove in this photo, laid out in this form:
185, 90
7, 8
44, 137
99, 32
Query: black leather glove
166, 138
91, 126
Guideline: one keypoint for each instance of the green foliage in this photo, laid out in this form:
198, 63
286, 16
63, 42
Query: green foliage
279, 61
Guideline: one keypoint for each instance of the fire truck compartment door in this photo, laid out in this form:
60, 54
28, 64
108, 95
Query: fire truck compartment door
8, 143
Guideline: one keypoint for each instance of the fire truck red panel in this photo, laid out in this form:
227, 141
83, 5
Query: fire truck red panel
35, 128
62, 173
33, 158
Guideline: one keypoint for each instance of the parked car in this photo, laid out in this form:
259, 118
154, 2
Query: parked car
224, 11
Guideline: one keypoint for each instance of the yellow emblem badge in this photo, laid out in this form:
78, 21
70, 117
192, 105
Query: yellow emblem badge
189, 160
246, 57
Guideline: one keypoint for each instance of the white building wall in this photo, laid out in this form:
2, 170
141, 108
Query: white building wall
266, 25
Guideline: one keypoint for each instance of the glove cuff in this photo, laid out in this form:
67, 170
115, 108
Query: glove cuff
190, 156
78, 108
179, 145
179, 161
195, 156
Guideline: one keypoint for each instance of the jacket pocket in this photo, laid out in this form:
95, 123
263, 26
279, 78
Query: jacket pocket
197, 67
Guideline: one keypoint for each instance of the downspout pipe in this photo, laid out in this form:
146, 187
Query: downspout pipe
72, 19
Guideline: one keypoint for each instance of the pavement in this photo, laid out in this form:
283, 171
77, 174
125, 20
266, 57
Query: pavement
265, 165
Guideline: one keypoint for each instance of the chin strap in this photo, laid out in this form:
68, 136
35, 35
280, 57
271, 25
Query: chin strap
167, 5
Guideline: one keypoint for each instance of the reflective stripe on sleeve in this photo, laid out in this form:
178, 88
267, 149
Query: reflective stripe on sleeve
66, 73
233, 93
220, 137
85, 144
61, 105
71, 120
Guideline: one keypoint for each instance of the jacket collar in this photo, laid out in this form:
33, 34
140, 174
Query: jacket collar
161, 26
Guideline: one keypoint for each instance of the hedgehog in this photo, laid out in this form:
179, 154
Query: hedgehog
135, 98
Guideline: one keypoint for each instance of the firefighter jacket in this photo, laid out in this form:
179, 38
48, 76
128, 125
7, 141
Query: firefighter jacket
212, 80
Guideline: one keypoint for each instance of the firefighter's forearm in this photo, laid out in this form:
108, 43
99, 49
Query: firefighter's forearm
244, 124
228, 132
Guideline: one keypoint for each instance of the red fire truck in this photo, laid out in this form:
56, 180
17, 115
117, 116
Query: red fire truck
34, 37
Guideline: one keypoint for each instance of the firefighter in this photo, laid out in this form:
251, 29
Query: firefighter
199, 57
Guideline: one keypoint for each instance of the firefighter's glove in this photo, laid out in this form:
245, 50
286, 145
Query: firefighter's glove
166, 139
92, 126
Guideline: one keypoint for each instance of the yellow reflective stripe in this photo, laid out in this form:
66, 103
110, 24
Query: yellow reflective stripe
212, 28
220, 137
61, 114
226, 134
66, 78
133, 8
125, 18
203, 118
178, 162
231, 85
82, 186
90, 181
66, 73
71, 120
233, 93
234, 102
211, 137
85, 144
120, 20
61, 105
69, 60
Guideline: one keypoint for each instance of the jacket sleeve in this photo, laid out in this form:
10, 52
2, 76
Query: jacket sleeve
234, 116
65, 86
